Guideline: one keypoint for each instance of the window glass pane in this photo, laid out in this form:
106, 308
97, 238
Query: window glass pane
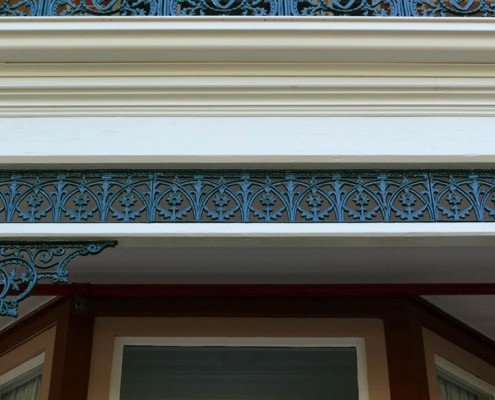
239, 373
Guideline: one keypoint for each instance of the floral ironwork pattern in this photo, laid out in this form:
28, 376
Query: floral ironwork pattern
22, 265
406, 8
246, 196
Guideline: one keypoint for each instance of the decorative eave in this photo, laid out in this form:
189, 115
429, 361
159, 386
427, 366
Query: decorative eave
247, 39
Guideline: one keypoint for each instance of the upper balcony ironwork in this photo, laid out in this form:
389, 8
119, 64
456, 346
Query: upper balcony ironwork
382, 8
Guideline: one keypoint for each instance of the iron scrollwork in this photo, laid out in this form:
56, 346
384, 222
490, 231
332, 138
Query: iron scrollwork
103, 7
22, 265
20, 8
346, 8
247, 196
224, 7
452, 8
374, 8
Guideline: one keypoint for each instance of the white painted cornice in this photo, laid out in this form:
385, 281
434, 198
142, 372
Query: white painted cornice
247, 66
251, 39
246, 89
190, 66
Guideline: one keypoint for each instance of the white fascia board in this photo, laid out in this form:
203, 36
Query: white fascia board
261, 234
241, 39
247, 142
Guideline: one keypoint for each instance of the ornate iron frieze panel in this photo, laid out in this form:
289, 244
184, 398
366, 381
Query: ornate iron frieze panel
22, 265
407, 8
247, 196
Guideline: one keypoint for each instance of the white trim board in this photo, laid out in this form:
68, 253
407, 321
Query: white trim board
120, 342
252, 234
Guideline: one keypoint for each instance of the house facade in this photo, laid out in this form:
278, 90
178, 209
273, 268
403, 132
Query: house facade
247, 199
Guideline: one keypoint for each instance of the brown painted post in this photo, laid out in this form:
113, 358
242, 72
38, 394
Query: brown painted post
405, 351
72, 354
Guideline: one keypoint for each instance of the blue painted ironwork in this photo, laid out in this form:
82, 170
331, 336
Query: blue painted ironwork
247, 196
406, 8
20, 8
23, 264
380, 8
224, 7
98, 7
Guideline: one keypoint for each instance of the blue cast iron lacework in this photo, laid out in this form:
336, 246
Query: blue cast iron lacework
407, 8
22, 265
243, 196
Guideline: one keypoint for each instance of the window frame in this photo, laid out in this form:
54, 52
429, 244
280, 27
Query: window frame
352, 342
35, 363
463, 375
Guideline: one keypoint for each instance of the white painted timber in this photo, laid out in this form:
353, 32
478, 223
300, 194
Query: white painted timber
253, 142
241, 39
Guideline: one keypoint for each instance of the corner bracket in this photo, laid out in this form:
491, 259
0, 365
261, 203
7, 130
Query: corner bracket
23, 264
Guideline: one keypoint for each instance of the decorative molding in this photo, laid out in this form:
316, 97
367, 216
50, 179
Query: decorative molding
223, 89
242, 196
23, 264
246, 66
382, 8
